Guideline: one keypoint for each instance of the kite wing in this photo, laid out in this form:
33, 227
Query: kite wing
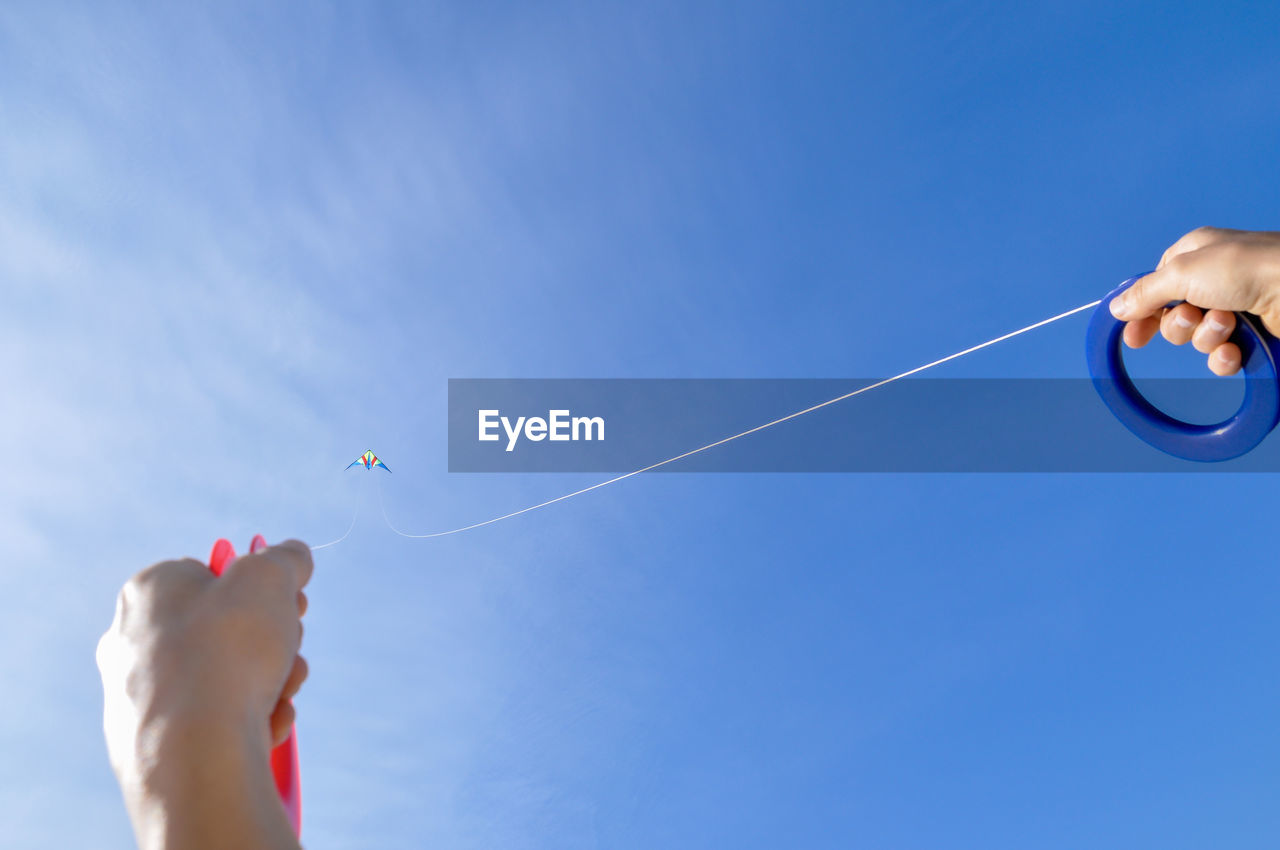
368, 460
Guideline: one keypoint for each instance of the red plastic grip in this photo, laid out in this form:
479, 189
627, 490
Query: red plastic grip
284, 758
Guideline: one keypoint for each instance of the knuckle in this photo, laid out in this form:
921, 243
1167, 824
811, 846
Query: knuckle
102, 652
148, 586
161, 571
1201, 236
148, 576
134, 593
1180, 266
262, 569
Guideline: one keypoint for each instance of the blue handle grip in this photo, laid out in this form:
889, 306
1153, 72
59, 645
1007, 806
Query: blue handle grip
1228, 439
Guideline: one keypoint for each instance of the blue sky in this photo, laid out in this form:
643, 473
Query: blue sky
240, 245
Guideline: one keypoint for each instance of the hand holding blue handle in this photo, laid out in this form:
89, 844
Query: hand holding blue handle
1234, 436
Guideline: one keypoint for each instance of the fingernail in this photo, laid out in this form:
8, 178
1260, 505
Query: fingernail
1119, 306
1224, 359
1181, 321
1216, 325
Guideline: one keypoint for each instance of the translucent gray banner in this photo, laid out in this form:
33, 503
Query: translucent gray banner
912, 425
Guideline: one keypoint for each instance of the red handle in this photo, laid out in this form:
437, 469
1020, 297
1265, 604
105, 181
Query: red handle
284, 758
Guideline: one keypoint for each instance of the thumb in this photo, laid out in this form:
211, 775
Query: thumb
1149, 294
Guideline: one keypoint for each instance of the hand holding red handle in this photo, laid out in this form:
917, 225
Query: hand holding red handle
284, 758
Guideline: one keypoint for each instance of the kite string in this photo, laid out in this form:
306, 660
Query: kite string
741, 434
383, 507
354, 516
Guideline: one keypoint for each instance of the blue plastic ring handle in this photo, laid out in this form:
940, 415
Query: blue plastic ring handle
1228, 439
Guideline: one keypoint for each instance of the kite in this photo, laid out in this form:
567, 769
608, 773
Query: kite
370, 460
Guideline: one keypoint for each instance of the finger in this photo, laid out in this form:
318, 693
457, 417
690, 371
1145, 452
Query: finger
183, 570
282, 722
163, 581
1179, 323
1193, 241
1214, 330
297, 556
297, 675
1141, 332
1225, 359
302, 604
1150, 293
274, 571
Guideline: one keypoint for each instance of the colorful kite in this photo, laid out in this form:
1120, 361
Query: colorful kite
370, 460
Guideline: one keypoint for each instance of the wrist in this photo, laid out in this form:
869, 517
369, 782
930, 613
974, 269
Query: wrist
202, 780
